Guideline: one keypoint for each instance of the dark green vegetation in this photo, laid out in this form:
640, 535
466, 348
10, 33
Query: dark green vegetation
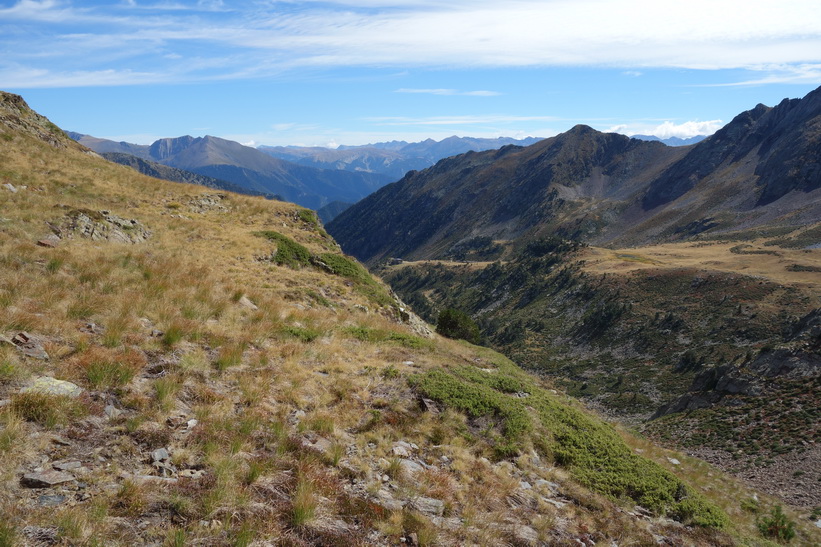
777, 526
457, 324
514, 412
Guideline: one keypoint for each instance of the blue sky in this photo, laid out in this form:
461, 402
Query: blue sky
358, 71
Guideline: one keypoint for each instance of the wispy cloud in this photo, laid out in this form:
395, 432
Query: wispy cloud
780, 74
479, 93
265, 38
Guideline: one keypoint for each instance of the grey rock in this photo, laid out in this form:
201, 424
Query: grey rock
191, 473
160, 455
385, 499
246, 303
410, 467
29, 345
46, 479
67, 465
429, 506
10, 187
49, 241
400, 451
41, 535
552, 486
112, 412
51, 500
525, 534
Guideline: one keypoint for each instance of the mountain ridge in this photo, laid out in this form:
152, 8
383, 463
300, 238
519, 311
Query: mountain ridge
249, 168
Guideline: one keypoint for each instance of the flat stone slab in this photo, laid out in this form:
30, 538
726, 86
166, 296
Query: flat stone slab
52, 386
67, 466
46, 479
51, 500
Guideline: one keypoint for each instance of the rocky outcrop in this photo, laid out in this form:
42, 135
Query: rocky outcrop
99, 226
750, 378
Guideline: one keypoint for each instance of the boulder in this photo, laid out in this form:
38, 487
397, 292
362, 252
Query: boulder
52, 386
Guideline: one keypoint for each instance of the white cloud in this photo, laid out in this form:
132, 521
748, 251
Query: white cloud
668, 129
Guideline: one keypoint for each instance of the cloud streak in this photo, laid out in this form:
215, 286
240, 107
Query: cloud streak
479, 93
267, 38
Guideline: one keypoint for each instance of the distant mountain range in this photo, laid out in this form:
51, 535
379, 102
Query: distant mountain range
248, 168
672, 141
393, 158
760, 171
311, 177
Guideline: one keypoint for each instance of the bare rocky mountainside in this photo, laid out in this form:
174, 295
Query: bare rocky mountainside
180, 366
676, 289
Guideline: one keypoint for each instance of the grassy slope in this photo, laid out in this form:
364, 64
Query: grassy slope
298, 400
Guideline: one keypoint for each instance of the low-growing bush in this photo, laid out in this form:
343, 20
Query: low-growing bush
456, 324
289, 252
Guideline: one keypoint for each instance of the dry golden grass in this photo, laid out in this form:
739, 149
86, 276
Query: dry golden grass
765, 261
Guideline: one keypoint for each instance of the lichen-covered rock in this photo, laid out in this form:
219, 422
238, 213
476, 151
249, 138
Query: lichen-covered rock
52, 386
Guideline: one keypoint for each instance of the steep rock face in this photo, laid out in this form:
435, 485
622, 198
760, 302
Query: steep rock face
783, 141
163, 149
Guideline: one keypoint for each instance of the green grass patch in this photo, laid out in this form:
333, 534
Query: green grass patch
303, 334
367, 334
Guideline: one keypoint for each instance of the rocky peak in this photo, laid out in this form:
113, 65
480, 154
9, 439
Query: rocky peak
15, 114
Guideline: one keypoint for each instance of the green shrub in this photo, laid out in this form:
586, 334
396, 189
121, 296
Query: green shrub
289, 252
8, 534
456, 324
777, 526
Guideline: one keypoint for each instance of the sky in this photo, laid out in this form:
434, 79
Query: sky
324, 73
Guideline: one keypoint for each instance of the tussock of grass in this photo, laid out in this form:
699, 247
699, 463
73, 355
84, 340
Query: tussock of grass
48, 410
